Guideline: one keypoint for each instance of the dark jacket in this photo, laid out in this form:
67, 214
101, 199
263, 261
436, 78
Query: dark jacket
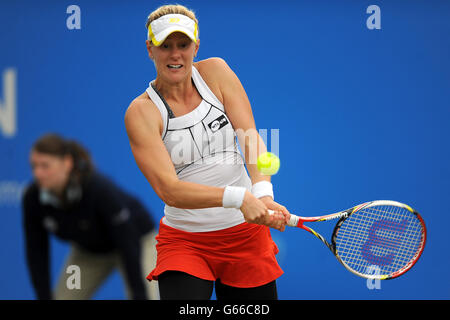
101, 219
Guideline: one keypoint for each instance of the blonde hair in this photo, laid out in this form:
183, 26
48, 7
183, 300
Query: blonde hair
170, 9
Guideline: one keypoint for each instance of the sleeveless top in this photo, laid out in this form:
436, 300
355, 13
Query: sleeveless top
203, 148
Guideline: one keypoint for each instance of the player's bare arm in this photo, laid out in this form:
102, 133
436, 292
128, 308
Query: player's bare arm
229, 90
144, 126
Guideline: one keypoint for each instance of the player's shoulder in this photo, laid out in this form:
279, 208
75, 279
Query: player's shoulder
216, 73
140, 105
212, 66
213, 62
142, 108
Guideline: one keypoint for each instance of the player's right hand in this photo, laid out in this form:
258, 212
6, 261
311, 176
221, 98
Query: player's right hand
255, 211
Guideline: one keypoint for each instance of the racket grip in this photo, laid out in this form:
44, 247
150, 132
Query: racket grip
293, 220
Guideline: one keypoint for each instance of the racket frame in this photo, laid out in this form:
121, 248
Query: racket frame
298, 221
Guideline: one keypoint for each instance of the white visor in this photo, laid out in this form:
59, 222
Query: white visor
161, 28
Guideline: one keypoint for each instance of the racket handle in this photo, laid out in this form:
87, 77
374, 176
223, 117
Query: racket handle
293, 220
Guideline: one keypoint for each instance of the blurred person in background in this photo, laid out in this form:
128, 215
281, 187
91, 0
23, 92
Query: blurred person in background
107, 228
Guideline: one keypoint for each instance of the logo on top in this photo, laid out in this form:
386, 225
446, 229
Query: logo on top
218, 123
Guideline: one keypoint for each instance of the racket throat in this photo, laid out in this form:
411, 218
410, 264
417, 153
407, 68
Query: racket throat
332, 247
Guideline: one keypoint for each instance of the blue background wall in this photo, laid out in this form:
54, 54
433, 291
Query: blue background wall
363, 115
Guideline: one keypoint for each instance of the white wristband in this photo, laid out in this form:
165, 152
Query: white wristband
262, 189
233, 197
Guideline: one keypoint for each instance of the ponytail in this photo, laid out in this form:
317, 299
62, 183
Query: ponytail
81, 158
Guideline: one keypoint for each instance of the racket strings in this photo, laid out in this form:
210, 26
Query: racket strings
387, 237
377, 247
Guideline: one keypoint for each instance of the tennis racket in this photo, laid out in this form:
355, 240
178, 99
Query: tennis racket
383, 236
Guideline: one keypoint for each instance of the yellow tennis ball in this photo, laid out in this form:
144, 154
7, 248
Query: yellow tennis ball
268, 163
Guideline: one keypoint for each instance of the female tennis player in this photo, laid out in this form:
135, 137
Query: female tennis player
106, 227
182, 133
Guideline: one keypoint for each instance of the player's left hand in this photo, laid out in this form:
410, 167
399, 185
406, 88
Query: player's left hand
280, 217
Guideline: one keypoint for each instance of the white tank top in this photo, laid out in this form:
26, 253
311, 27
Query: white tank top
203, 147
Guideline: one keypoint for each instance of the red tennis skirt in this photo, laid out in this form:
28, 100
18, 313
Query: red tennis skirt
242, 256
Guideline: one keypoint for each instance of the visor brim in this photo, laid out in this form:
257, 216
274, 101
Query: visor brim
158, 39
